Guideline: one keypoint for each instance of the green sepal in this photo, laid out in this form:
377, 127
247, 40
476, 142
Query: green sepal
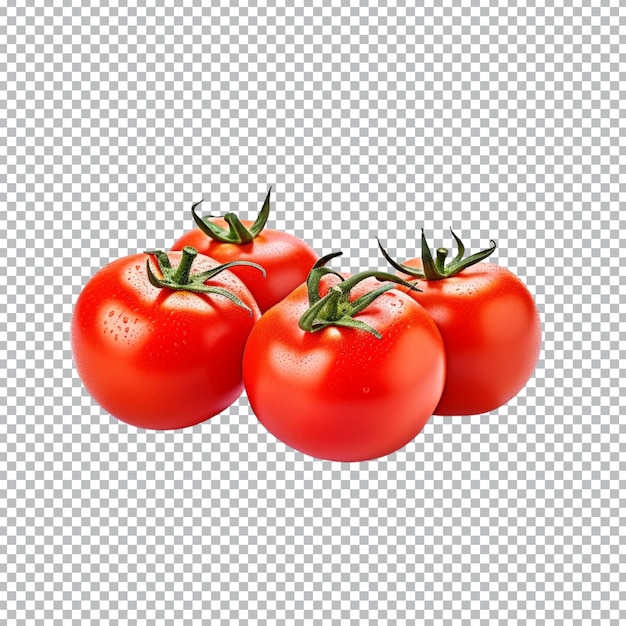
181, 278
237, 233
315, 275
335, 308
436, 268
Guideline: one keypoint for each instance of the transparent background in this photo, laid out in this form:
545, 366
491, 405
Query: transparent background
502, 120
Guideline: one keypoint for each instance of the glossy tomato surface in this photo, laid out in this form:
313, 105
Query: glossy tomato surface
157, 358
286, 259
340, 393
492, 332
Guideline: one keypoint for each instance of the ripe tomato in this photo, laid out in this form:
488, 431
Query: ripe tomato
163, 349
489, 323
285, 258
344, 369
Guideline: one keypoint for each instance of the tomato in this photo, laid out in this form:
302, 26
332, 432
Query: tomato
161, 348
489, 323
285, 258
345, 369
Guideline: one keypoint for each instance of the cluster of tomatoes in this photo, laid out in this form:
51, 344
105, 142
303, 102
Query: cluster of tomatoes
339, 367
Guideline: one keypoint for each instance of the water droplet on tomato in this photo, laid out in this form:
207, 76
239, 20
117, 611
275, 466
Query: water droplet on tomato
366, 389
111, 313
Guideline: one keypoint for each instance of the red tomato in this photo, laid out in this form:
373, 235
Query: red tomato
344, 393
490, 327
285, 258
159, 357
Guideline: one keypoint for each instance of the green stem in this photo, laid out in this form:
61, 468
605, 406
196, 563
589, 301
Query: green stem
336, 308
440, 261
332, 309
236, 232
181, 277
436, 269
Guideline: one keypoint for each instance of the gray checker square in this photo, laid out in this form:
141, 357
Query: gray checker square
499, 119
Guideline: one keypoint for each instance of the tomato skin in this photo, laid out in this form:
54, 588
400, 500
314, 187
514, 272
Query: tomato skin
492, 332
158, 358
286, 259
342, 394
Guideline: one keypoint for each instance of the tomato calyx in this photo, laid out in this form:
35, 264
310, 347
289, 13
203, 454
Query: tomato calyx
436, 268
237, 233
181, 278
336, 308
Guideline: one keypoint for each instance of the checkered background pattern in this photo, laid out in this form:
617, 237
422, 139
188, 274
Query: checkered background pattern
500, 119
